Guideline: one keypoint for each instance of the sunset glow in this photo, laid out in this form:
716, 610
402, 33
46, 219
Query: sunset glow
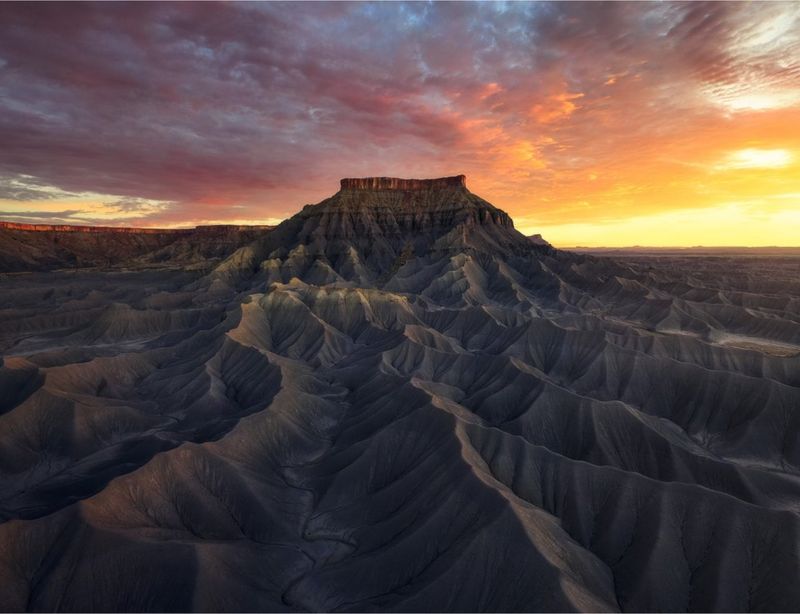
758, 158
592, 124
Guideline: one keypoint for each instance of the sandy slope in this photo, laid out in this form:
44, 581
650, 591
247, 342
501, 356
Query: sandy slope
394, 401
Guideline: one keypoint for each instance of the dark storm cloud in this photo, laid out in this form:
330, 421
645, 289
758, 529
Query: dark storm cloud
206, 105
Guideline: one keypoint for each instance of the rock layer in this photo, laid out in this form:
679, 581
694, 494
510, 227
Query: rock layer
209, 229
394, 183
27, 247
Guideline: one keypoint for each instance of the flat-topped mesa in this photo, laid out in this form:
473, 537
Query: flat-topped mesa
394, 183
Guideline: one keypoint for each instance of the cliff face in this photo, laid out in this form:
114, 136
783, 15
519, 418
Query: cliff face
91, 229
372, 225
210, 229
408, 208
33, 247
394, 183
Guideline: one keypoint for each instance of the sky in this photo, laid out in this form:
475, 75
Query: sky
594, 124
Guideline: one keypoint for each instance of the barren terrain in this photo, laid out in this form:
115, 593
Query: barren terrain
396, 401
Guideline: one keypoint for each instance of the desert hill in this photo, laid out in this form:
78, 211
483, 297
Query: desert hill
396, 401
368, 229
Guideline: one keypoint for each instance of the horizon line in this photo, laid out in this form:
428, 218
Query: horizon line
28, 227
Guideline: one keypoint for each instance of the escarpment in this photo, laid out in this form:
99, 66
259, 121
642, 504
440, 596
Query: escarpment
389, 205
25, 247
368, 227
207, 229
395, 183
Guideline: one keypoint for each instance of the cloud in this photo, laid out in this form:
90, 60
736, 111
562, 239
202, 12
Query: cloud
34, 217
128, 205
222, 111
27, 188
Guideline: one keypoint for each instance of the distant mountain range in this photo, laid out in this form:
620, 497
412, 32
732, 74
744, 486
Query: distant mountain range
27, 247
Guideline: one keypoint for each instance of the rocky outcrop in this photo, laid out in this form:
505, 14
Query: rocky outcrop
539, 240
394, 183
365, 229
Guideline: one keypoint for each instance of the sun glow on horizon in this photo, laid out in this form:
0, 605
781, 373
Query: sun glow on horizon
594, 124
757, 158
744, 224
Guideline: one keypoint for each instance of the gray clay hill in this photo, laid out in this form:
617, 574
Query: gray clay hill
394, 401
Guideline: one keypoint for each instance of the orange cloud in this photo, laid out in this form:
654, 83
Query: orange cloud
555, 108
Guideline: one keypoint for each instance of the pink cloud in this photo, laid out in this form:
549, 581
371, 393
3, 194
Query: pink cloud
211, 105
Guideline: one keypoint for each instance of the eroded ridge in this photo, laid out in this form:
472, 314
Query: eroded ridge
361, 412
